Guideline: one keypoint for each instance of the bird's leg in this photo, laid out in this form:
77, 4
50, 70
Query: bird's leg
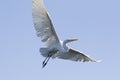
46, 60
48, 57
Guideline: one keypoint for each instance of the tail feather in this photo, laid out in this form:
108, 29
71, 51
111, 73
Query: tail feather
44, 52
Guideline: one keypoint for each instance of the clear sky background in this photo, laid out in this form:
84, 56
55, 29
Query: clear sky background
96, 23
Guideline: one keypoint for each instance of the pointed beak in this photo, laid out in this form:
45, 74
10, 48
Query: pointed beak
74, 39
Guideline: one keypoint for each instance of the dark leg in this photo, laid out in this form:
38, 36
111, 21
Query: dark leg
46, 60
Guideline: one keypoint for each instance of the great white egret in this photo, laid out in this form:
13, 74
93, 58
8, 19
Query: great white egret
54, 47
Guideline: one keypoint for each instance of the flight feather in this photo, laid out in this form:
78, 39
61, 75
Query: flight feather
43, 24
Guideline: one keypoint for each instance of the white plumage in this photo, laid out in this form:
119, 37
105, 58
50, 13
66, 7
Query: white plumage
54, 47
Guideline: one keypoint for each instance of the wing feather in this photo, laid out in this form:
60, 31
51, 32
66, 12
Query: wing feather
43, 25
75, 55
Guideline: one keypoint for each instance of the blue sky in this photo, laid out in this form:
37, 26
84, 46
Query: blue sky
96, 23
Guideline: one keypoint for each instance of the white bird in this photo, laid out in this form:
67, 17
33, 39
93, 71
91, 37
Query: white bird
54, 47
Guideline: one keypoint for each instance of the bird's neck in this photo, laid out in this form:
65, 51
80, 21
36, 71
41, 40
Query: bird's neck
65, 46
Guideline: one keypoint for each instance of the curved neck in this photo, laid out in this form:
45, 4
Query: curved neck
65, 46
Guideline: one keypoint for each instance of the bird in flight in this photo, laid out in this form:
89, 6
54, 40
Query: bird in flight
54, 47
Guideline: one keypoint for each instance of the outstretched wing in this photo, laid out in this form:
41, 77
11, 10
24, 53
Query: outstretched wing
76, 56
43, 25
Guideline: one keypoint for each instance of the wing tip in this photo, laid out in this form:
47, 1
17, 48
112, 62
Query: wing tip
96, 60
99, 61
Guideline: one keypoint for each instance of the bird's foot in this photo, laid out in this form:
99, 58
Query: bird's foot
44, 64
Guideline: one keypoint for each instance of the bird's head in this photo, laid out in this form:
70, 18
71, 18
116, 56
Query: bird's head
70, 40
67, 41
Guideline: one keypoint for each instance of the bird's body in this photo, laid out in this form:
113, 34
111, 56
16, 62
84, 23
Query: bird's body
54, 47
